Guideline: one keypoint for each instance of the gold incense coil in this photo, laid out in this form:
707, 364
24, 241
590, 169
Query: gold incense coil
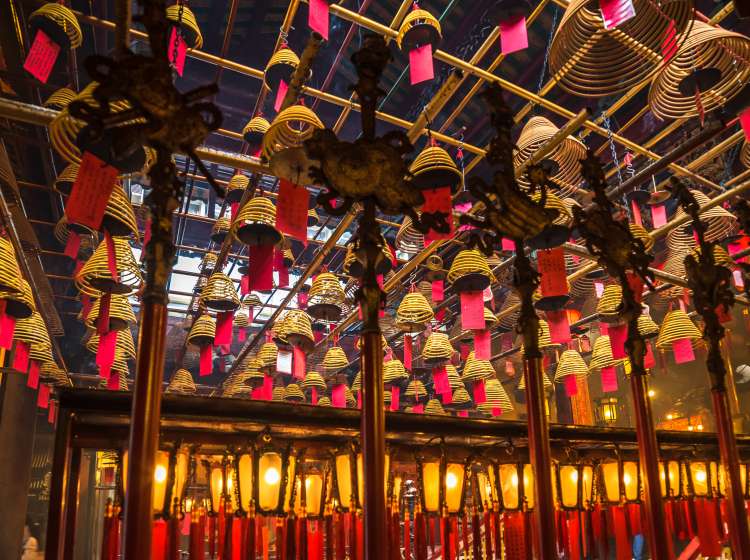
10, 274
418, 28
288, 257
646, 326
121, 313
437, 348
592, 61
209, 261
125, 344
609, 304
280, 331
434, 168
203, 331
325, 297
60, 98
461, 398
454, 380
255, 129
220, 294
601, 355
351, 402
255, 223
251, 300
236, 187
299, 330
703, 47
313, 380
546, 383
357, 382
567, 155
32, 330
414, 313
324, 401
119, 218
290, 129
188, 24
293, 393
554, 202
41, 353
408, 239
19, 304
434, 406
745, 154
241, 318
497, 398
676, 326
387, 397
508, 321
282, 63
95, 277
50, 372
571, 363
721, 257
490, 320
278, 394
312, 218
470, 271
66, 179
220, 229
267, 355
383, 343
475, 370
675, 264
62, 233
415, 389
354, 267
335, 360
65, 20
721, 223
182, 383
394, 371
639, 232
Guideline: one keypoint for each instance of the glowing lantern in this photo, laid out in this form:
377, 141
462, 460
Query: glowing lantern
622, 481
242, 483
311, 489
606, 410
670, 479
170, 476
574, 485
274, 473
703, 478
442, 484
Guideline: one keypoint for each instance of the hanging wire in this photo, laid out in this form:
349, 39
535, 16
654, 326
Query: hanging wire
612, 148
546, 55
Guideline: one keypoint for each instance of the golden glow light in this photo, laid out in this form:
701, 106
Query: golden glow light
160, 474
271, 476
450, 481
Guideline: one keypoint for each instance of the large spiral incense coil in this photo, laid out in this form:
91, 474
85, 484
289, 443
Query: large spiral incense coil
280, 331
745, 154
434, 406
419, 28
290, 129
32, 330
470, 272
675, 264
709, 58
59, 23
461, 399
580, 287
601, 354
434, 168
721, 257
299, 330
355, 268
566, 157
324, 401
119, 218
41, 353
593, 61
325, 297
19, 303
408, 239
554, 202
10, 274
277, 394
66, 179
60, 98
351, 402
209, 262
203, 331
646, 326
497, 399
191, 33
335, 360
546, 383
220, 229
220, 294
454, 379
609, 304
62, 233
508, 320
241, 318
490, 320
121, 314
280, 66
254, 130
639, 232
476, 370
181, 383
236, 187
570, 363
125, 343
313, 380
255, 223
721, 223
267, 355
394, 371
414, 313
437, 349
95, 276
293, 393
51, 373
357, 382
415, 389
676, 326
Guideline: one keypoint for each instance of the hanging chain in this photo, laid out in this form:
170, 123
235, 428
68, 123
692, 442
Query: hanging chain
613, 149
460, 157
546, 53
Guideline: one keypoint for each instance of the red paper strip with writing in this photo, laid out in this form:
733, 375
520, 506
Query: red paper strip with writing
42, 56
420, 64
91, 191
291, 210
551, 263
317, 17
513, 35
472, 311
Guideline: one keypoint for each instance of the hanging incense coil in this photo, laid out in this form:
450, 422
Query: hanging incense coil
706, 61
251, 372
414, 313
125, 344
408, 239
191, 33
434, 406
280, 331
383, 343
554, 202
251, 300
209, 262
676, 326
351, 402
241, 318
312, 218
280, 66
580, 287
119, 218
646, 326
325, 298
470, 272
95, 276
255, 223
434, 168
278, 393
476, 370
610, 303
508, 320
51, 373
220, 294
564, 160
236, 187
267, 355
497, 399
357, 382
639, 232
601, 354
121, 314
546, 383
721, 257
10, 274
387, 398
419, 28
454, 379
66, 179
324, 401
355, 267
415, 389
335, 360
593, 61
745, 154
19, 304
721, 223
675, 264
181, 383
203, 331
292, 393
62, 233
461, 399
394, 371
221, 229
545, 340
299, 330
254, 130
41, 353
60, 98
437, 349
290, 129
570, 363
490, 320
32, 330
313, 380
59, 23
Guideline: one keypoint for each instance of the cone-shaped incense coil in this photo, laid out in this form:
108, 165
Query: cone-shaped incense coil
721, 223
554, 202
313, 380
209, 262
255, 129
63, 17
182, 15
324, 401
241, 318
546, 383
508, 320
293, 393
415, 389
647, 327
299, 330
181, 382
580, 287
236, 187
592, 61
10, 274
120, 313
220, 294
354, 267
745, 154
704, 47
434, 406
325, 297
675, 264
335, 360
609, 304
259, 210
278, 394
95, 276
394, 371
351, 402
383, 342
220, 229
470, 265
437, 348
251, 300
490, 320
415, 20
19, 304
267, 355
119, 217
497, 398
721, 257
203, 331
460, 397
536, 132
251, 372
60, 98
408, 239
50, 372
32, 330
414, 313
454, 380
434, 168
474, 370
357, 383
125, 343
387, 397
67, 177
571, 363
62, 233
282, 63
639, 232
676, 326
601, 355
41, 353
290, 129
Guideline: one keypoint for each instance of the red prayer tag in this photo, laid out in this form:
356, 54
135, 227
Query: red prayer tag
482, 344
648, 360
420, 64
507, 244
52, 413
447, 396
496, 411
418, 409
617, 336
105, 353
438, 290
658, 215
463, 413
636, 213
683, 351
267, 387
472, 311
551, 264
42, 400
91, 191
571, 385
72, 245
291, 210
440, 380
480, 396
299, 363
609, 380
260, 264
745, 123
616, 12
177, 61
439, 201
33, 379
7, 328
338, 396
408, 349
280, 95
317, 17
206, 360
42, 56
513, 36
559, 327
21, 356
223, 328
669, 44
